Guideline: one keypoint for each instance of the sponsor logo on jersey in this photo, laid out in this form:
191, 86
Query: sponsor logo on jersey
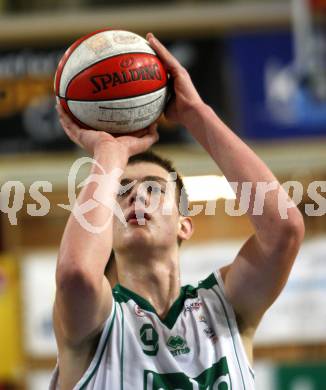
192, 306
139, 312
214, 378
178, 346
210, 334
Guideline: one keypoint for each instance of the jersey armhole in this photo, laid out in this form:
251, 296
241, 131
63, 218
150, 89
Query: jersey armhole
96, 359
82, 383
231, 315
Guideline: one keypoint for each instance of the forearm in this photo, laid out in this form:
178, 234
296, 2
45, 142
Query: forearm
82, 250
240, 164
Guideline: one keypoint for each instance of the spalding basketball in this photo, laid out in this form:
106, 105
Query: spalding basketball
112, 81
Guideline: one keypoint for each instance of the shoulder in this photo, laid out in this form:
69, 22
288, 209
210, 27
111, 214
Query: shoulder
209, 290
212, 281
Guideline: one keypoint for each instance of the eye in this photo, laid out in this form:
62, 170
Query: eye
124, 190
155, 189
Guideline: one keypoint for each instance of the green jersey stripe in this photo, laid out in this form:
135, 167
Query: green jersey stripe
230, 329
83, 385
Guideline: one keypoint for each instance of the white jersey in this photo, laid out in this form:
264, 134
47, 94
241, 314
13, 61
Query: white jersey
196, 347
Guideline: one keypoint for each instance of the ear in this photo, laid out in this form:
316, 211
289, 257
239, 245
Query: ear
186, 228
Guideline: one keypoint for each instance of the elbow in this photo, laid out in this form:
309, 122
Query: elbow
70, 275
296, 227
291, 236
75, 284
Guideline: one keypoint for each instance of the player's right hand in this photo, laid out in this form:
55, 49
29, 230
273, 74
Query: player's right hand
93, 140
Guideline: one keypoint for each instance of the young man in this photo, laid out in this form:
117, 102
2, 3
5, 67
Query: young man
149, 332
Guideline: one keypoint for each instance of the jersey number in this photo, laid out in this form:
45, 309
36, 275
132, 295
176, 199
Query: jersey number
149, 338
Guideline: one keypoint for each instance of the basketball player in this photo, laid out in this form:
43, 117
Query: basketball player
148, 332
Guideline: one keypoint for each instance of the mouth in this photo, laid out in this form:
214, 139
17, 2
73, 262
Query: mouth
138, 217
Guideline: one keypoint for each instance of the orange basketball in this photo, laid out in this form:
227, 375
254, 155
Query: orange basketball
111, 80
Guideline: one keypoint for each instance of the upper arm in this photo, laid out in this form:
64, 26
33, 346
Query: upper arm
257, 276
81, 308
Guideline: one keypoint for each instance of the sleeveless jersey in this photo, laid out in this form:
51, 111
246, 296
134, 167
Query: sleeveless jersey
197, 346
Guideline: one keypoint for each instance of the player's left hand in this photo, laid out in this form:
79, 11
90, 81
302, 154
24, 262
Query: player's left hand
95, 140
186, 98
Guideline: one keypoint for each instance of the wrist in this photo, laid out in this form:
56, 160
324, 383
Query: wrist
112, 155
195, 113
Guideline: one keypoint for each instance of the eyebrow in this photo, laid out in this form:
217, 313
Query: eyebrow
146, 178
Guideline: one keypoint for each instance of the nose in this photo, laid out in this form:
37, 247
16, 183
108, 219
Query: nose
138, 193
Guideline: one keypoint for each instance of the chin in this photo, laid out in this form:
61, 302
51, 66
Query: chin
138, 238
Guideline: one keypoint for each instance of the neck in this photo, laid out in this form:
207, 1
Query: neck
154, 275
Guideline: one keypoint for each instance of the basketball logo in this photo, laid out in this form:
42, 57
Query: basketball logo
111, 81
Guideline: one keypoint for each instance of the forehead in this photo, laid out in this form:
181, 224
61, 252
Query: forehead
142, 169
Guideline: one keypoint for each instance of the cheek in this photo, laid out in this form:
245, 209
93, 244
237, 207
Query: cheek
168, 204
170, 223
169, 212
115, 232
117, 227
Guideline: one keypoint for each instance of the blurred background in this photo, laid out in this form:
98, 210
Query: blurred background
262, 67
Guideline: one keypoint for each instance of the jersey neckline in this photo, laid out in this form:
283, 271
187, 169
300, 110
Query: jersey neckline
123, 294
